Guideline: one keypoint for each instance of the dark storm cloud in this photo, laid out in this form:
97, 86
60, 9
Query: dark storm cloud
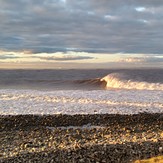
87, 25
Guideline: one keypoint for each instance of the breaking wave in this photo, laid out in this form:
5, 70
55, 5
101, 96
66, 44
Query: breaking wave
123, 81
82, 79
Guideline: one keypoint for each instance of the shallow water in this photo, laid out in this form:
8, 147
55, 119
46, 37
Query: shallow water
80, 102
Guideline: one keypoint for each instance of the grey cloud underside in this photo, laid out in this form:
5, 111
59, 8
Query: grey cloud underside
153, 60
147, 59
91, 26
67, 58
8, 56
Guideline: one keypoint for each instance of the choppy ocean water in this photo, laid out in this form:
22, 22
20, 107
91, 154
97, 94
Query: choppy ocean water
81, 91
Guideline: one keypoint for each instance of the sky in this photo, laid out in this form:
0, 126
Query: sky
63, 34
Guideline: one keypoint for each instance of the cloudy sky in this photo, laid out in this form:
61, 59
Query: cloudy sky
81, 33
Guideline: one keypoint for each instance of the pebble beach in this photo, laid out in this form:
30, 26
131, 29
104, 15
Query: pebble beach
80, 138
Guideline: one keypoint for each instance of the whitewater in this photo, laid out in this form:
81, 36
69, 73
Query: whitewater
81, 92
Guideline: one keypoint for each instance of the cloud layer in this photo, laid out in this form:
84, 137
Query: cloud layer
146, 59
65, 58
104, 33
90, 26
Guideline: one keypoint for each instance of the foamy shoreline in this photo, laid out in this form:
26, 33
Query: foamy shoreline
74, 102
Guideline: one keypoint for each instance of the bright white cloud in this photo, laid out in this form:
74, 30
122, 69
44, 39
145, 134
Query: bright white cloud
110, 17
140, 9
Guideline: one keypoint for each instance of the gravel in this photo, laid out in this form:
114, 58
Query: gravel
80, 138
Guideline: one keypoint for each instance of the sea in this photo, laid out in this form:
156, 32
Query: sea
82, 91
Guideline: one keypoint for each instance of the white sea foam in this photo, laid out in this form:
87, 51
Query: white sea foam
80, 102
121, 81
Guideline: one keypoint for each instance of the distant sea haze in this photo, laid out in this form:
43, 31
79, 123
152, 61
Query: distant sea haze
81, 91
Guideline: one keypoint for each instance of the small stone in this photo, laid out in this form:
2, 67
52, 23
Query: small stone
160, 149
82, 160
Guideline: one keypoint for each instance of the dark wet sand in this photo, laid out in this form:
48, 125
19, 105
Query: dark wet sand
106, 138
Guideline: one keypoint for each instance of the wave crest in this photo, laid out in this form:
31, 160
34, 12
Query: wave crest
122, 81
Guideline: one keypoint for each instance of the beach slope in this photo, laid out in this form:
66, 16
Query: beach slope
80, 138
